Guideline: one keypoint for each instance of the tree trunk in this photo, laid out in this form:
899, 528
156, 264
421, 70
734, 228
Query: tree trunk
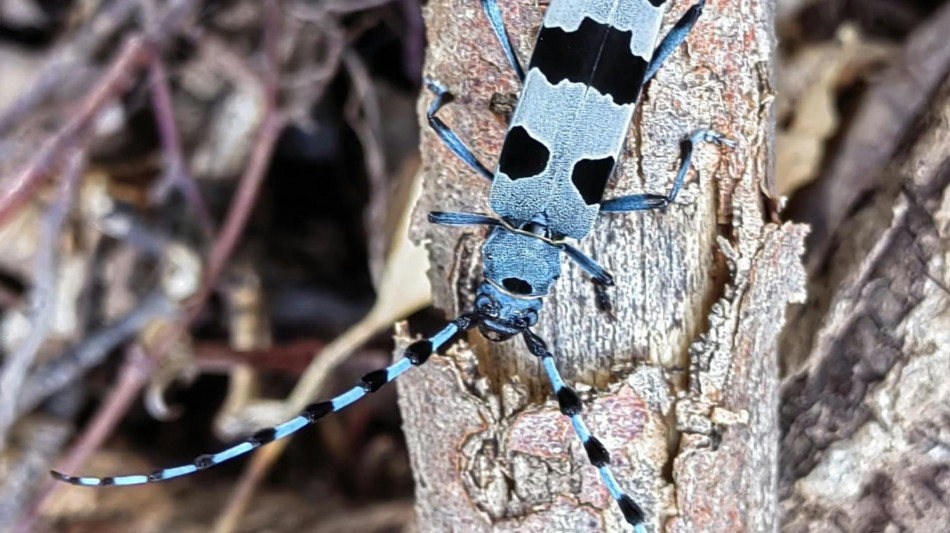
866, 421
682, 387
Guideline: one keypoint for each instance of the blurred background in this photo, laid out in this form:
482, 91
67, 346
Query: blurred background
197, 197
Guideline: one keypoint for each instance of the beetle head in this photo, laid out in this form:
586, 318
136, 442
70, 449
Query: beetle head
503, 315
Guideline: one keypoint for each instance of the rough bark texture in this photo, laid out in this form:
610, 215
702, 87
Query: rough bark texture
682, 388
866, 421
883, 119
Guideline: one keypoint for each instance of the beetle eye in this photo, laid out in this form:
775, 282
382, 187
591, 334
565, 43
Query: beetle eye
487, 306
531, 317
516, 285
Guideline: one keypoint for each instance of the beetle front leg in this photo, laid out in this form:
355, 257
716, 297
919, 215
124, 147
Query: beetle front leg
599, 276
674, 38
498, 26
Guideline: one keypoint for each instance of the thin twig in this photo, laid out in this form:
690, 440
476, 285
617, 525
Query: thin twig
176, 173
58, 68
43, 295
40, 441
66, 368
335, 39
291, 358
362, 114
245, 197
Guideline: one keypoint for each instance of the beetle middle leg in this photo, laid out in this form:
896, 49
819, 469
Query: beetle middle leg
646, 202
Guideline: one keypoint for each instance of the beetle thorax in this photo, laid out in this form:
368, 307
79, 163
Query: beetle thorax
519, 264
519, 270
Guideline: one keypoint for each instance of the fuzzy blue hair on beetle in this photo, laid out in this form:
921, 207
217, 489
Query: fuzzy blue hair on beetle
589, 64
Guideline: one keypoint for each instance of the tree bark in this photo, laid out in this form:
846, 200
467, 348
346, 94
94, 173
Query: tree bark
866, 423
682, 387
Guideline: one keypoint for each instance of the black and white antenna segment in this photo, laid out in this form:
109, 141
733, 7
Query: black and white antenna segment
590, 62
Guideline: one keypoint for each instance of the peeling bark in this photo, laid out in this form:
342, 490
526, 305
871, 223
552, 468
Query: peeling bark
866, 422
682, 387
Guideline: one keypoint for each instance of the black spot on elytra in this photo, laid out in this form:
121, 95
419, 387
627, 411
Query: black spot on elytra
596, 54
590, 177
516, 285
522, 156
619, 73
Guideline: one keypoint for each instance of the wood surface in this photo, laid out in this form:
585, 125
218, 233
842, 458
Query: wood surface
682, 387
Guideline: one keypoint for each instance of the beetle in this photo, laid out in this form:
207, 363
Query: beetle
589, 64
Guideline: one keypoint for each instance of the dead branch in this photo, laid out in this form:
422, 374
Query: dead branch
865, 420
362, 113
69, 366
888, 109
682, 386
43, 294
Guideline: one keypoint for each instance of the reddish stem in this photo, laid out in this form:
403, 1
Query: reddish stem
134, 55
137, 367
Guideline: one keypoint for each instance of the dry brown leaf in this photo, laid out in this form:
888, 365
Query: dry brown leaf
810, 83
